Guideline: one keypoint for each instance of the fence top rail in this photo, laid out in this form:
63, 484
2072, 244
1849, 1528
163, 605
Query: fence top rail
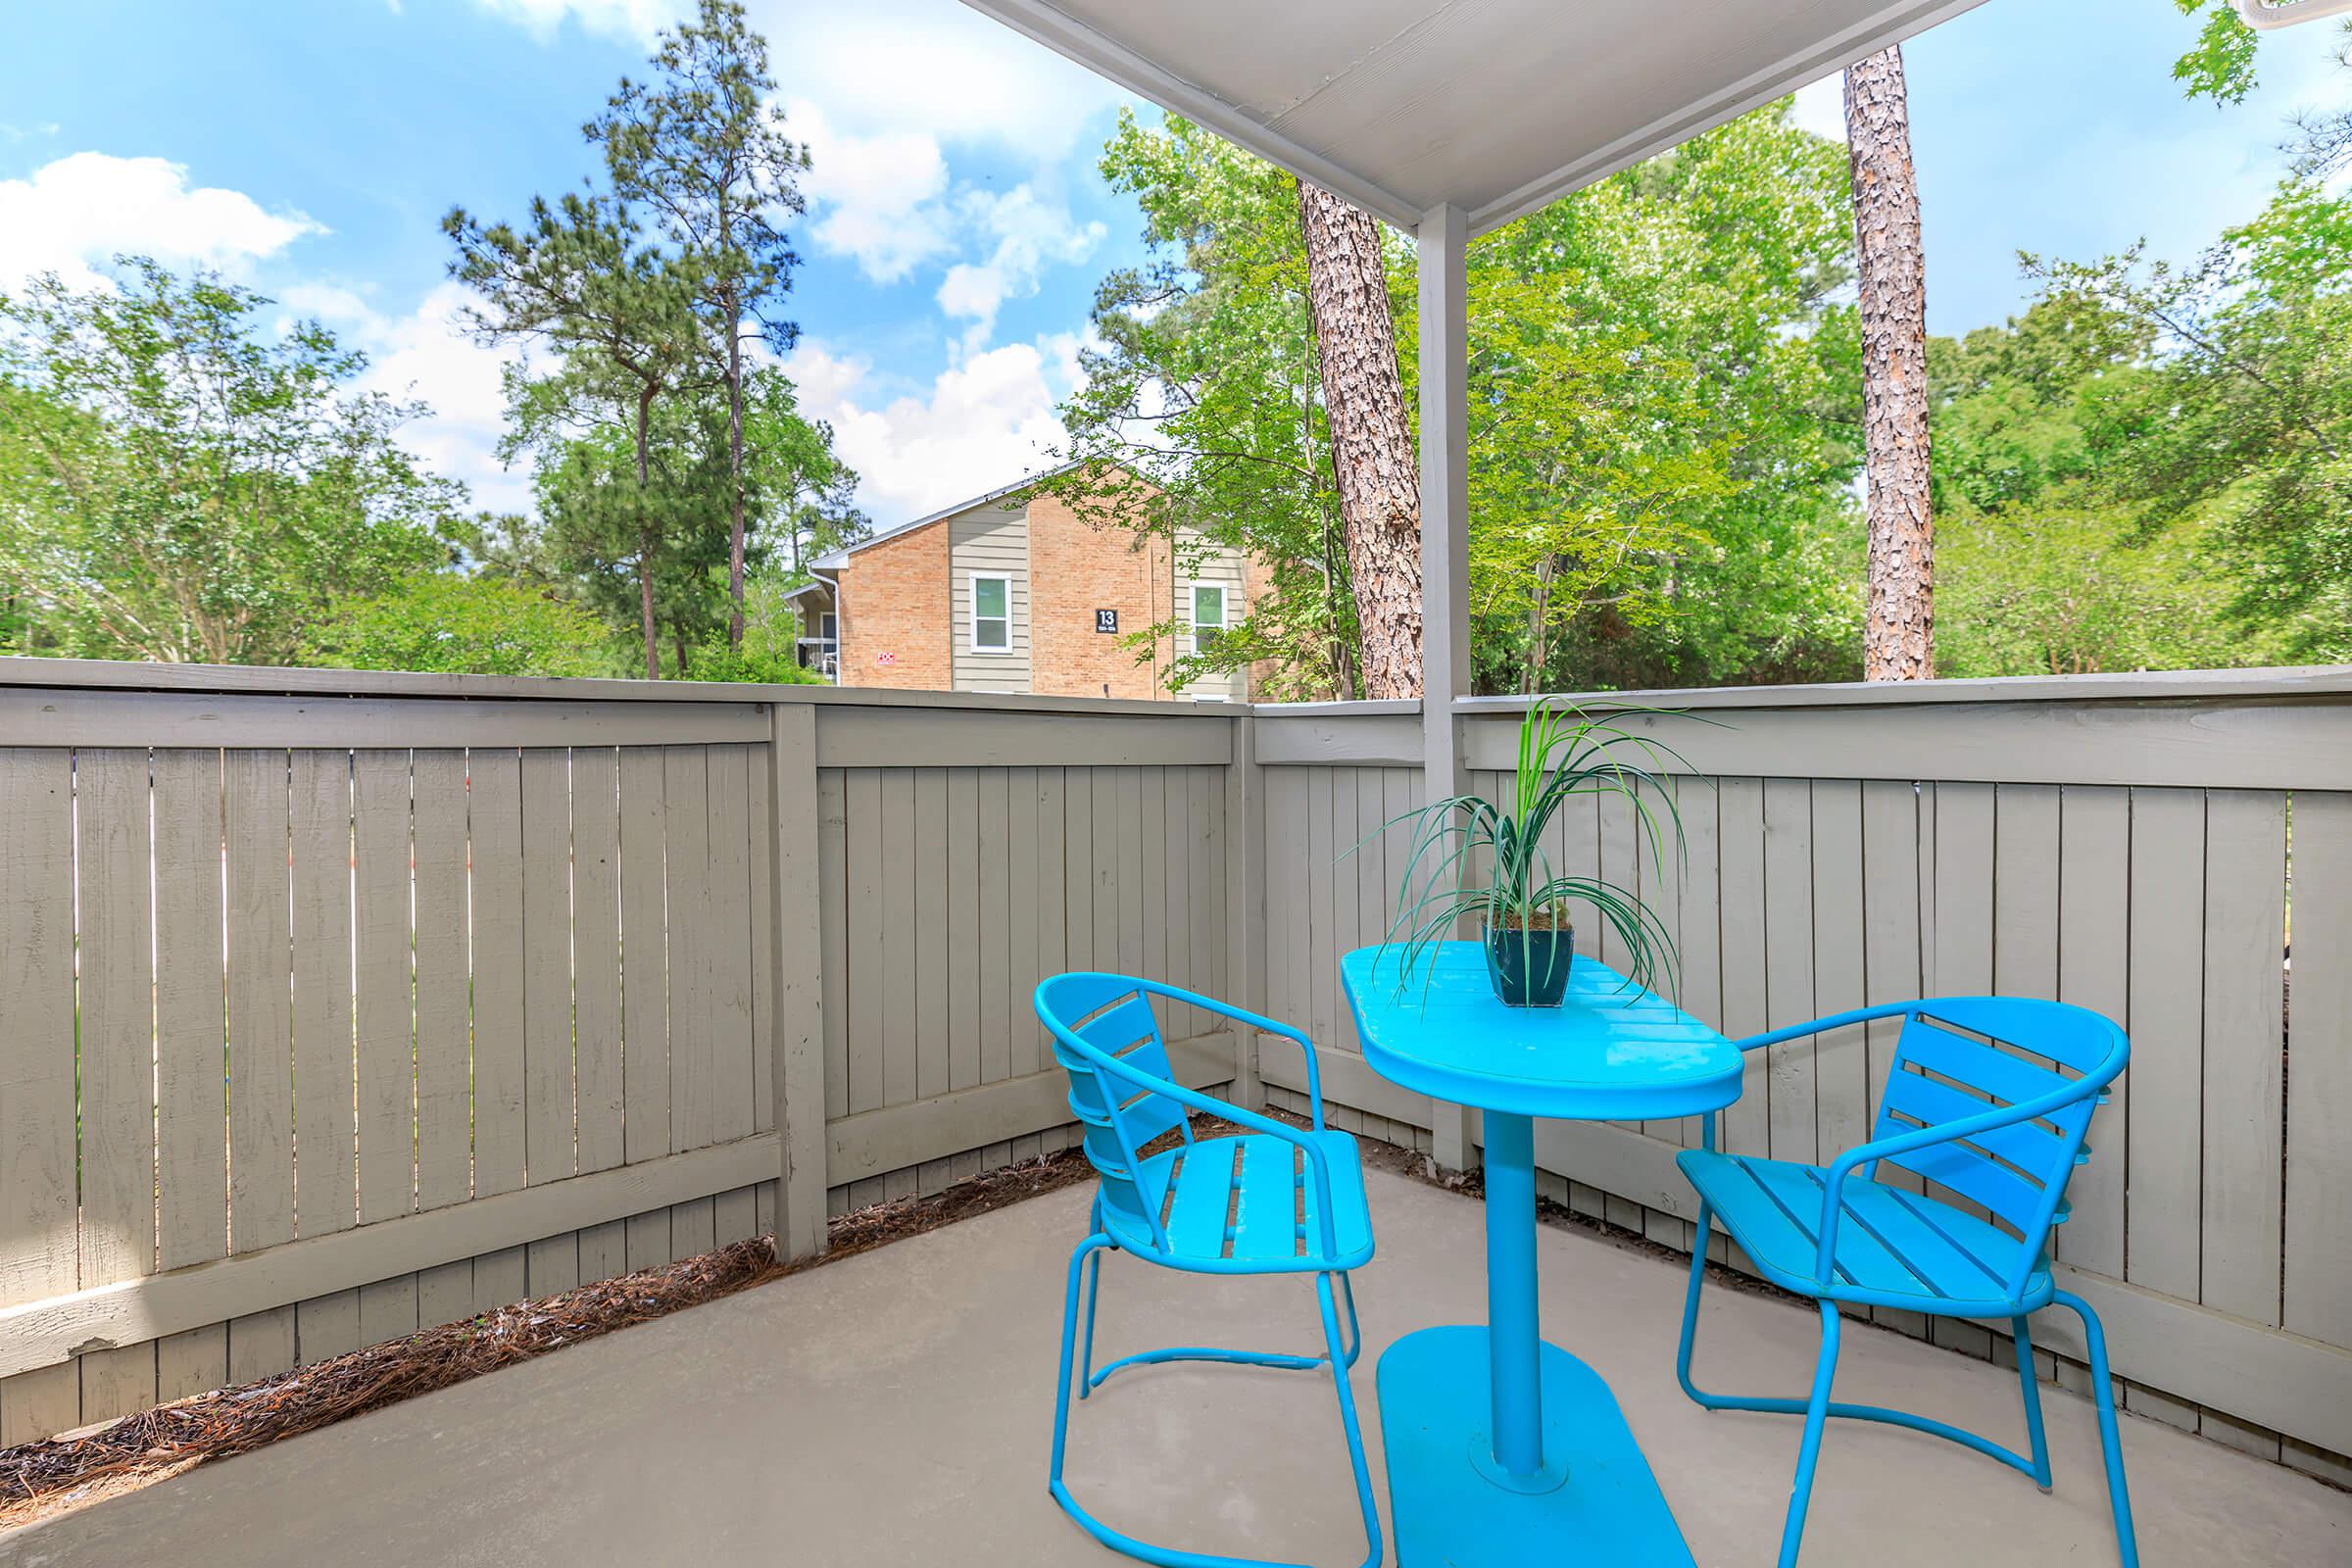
126, 675
2300, 682
2190, 685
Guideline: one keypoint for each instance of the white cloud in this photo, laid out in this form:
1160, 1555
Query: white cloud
929, 66
877, 199
73, 214
933, 66
1820, 107
634, 21
426, 356
1028, 235
981, 423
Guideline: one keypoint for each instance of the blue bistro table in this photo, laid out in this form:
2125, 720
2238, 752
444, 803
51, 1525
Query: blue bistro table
1503, 1449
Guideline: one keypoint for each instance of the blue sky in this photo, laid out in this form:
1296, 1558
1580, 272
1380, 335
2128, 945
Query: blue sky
958, 225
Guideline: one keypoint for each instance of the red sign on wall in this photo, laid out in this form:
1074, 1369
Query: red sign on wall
886, 656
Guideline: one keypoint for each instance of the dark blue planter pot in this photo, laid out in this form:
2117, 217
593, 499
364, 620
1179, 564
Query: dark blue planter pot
1529, 968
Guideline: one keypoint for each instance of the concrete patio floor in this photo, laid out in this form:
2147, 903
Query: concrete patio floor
895, 1408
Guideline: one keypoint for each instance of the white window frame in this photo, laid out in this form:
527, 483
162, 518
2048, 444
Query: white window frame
973, 618
823, 634
1192, 619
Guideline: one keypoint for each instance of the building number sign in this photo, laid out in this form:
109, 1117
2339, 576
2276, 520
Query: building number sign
886, 656
1106, 620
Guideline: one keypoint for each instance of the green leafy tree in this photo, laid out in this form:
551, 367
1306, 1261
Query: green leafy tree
1694, 298
2220, 65
181, 480
803, 494
1594, 465
2070, 585
483, 625
1676, 319
638, 545
2249, 427
704, 147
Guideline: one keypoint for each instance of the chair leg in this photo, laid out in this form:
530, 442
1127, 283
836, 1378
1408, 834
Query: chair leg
1339, 1362
1356, 1331
1090, 1248
1278, 1360
2102, 1392
2022, 1339
1699, 1273
1808, 1454
1087, 1258
1086, 1356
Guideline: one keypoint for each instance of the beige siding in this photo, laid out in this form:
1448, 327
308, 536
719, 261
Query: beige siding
987, 541
1221, 568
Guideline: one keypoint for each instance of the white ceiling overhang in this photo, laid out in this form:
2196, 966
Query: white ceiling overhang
1496, 107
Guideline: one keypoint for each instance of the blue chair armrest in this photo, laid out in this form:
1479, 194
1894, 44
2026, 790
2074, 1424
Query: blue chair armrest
1318, 1164
1259, 1022
1878, 1149
1800, 1031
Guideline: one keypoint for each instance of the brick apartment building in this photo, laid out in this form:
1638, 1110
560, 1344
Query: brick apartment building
998, 594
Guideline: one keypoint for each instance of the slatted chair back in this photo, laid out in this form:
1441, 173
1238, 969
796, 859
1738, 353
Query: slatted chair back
1096, 1020
1944, 1072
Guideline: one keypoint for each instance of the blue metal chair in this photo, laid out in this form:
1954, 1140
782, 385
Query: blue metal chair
1274, 1200
1996, 1129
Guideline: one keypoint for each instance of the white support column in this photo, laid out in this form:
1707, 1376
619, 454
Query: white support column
1444, 235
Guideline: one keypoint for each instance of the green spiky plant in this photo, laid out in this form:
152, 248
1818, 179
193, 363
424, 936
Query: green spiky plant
1563, 753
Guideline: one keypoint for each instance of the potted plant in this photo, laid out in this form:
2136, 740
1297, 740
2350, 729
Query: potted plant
1472, 857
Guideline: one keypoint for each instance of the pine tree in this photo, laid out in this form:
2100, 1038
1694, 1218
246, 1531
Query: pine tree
703, 147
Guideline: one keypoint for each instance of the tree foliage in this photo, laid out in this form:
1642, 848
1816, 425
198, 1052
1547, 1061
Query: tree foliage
661, 453
480, 624
1663, 402
1684, 317
1200, 413
702, 145
180, 480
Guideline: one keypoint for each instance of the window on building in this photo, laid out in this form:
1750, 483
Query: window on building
828, 627
991, 614
1208, 616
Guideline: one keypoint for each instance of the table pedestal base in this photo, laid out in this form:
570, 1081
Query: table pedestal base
1594, 1500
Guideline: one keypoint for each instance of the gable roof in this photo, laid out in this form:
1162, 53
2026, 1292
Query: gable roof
834, 560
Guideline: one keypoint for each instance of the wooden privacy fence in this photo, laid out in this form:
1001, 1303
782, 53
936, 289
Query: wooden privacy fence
367, 1002
332, 1006
2122, 844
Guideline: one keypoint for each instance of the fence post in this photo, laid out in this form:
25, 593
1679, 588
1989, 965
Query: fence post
1246, 901
797, 1031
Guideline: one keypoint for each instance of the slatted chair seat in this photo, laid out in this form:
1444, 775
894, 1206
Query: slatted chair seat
1890, 1243
1250, 1200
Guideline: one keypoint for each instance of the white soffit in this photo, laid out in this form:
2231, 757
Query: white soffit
1496, 107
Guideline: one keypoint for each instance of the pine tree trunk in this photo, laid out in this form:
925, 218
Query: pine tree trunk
735, 487
1372, 451
644, 607
1898, 640
644, 543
